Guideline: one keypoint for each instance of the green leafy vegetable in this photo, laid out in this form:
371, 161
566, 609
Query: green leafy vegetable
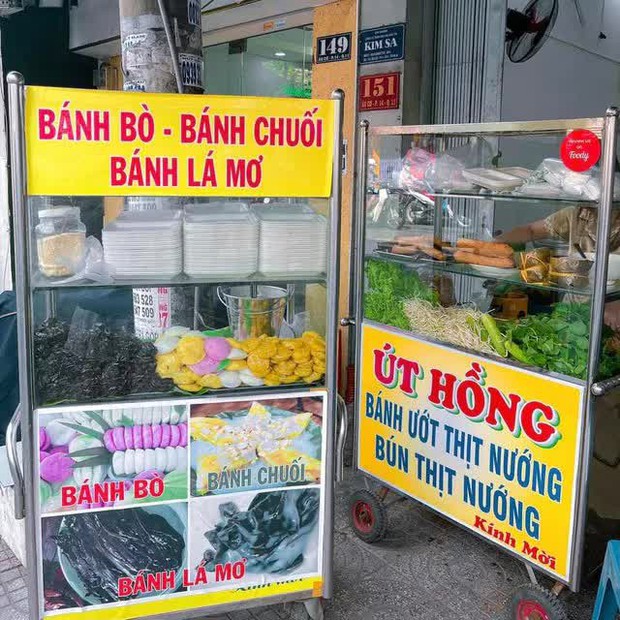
389, 285
559, 341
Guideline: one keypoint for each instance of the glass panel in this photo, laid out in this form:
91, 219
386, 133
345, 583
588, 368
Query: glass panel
223, 70
486, 243
278, 64
223, 296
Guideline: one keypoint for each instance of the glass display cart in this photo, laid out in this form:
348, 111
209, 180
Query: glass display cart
486, 317
177, 366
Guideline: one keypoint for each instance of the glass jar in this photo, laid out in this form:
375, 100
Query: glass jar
61, 242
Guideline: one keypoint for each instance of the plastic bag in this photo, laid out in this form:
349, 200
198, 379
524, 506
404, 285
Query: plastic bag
423, 171
586, 185
413, 172
93, 266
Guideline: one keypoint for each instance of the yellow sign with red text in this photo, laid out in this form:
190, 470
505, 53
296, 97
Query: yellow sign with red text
492, 447
305, 588
103, 143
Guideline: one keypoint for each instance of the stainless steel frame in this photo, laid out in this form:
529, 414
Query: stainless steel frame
332, 335
606, 128
335, 421
21, 227
14, 464
503, 129
358, 269
608, 164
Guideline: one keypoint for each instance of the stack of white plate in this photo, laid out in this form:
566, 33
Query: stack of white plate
292, 243
220, 239
144, 244
260, 208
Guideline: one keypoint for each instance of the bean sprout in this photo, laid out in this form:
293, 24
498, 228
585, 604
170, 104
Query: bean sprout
456, 326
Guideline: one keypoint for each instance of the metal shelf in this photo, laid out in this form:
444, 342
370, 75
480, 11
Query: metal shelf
259, 392
505, 197
535, 370
510, 128
39, 282
467, 270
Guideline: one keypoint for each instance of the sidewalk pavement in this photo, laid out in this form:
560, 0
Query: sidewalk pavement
426, 569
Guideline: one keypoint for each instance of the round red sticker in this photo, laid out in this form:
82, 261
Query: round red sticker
580, 150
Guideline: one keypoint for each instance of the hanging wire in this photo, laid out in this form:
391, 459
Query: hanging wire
171, 46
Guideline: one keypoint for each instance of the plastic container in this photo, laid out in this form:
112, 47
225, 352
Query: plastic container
221, 207
61, 242
292, 243
493, 179
517, 171
282, 207
254, 311
220, 241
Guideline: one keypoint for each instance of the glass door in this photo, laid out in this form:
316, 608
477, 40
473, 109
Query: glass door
277, 64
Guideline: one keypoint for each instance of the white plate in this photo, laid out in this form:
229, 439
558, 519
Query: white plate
222, 243
168, 272
160, 243
496, 272
153, 267
145, 260
221, 251
223, 263
517, 171
199, 273
299, 244
168, 235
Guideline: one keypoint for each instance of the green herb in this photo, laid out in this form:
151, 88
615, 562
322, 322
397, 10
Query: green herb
559, 341
389, 285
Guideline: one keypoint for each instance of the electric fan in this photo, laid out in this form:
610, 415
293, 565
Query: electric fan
528, 30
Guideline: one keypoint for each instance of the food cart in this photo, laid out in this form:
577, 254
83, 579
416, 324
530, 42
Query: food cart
483, 275
178, 365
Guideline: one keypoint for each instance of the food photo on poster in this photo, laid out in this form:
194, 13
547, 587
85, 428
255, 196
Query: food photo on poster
109, 556
248, 445
262, 537
90, 459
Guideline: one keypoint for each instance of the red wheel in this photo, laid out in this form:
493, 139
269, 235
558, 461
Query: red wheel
368, 516
531, 610
363, 518
535, 603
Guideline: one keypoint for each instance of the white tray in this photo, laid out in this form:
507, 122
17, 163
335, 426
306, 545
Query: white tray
492, 179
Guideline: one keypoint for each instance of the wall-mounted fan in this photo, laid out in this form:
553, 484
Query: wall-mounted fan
528, 30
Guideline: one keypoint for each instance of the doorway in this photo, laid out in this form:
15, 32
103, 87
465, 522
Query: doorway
277, 64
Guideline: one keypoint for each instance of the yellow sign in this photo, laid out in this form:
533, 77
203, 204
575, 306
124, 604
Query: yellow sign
102, 143
179, 603
492, 447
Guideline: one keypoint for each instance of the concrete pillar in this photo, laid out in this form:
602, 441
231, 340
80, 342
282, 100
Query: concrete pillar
147, 62
148, 66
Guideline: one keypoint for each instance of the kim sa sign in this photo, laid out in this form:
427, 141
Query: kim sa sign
382, 44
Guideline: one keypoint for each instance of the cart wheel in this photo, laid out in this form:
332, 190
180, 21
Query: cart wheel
536, 603
368, 516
